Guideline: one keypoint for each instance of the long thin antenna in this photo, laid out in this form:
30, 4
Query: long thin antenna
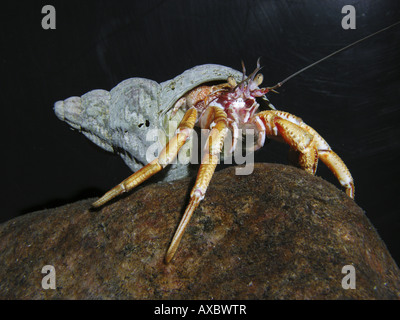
332, 54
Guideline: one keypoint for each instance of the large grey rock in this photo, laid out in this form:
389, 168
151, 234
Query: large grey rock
278, 233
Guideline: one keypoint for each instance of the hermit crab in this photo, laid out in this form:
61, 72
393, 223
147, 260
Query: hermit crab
230, 106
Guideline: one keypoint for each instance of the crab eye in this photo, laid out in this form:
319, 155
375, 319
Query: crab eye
231, 81
259, 79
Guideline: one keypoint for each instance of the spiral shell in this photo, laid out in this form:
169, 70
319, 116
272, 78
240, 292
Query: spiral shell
120, 120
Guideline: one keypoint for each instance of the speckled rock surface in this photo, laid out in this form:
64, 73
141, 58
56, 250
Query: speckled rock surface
278, 233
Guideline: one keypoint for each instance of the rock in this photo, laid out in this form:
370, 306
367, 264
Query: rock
278, 233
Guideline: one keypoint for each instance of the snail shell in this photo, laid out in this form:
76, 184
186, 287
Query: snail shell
127, 120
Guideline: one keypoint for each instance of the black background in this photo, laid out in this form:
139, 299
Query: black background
352, 99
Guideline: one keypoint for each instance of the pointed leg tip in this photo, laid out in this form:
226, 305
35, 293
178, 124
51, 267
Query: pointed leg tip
350, 191
97, 204
168, 257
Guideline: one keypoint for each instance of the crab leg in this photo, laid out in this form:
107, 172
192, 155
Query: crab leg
332, 161
208, 164
166, 156
307, 142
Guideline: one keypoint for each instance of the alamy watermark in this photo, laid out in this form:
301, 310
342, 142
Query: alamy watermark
349, 280
194, 149
49, 280
349, 20
49, 20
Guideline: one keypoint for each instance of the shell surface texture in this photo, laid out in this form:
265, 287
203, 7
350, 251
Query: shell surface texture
121, 119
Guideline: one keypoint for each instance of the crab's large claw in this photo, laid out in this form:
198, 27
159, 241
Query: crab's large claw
306, 142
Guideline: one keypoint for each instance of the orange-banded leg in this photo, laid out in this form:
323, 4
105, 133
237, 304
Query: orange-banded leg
333, 162
166, 156
217, 119
307, 142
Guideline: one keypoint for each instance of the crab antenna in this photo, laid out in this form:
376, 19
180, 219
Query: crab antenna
258, 68
332, 54
244, 71
252, 75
